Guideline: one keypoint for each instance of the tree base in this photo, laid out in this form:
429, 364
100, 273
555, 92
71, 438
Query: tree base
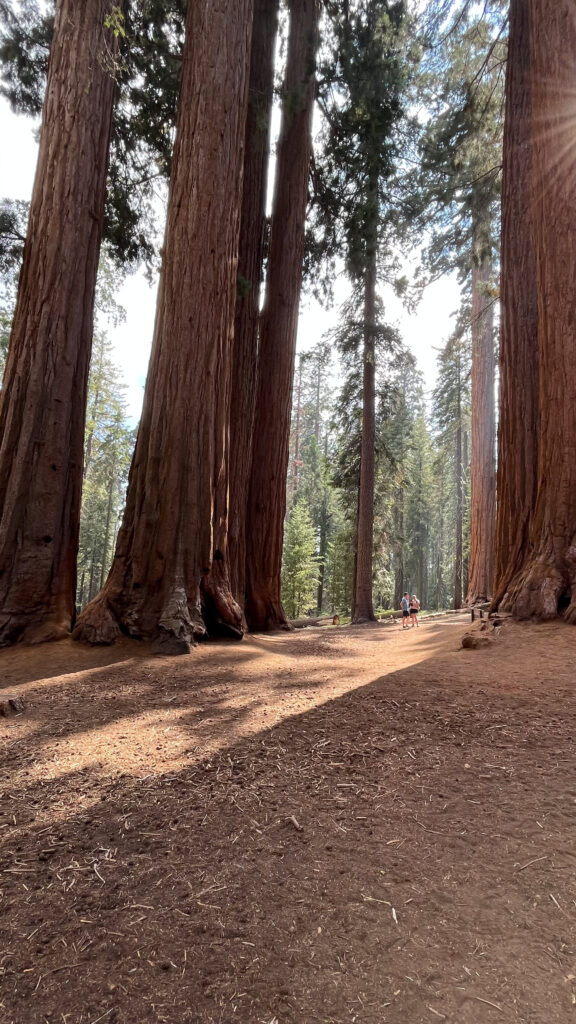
18, 629
97, 625
266, 615
540, 592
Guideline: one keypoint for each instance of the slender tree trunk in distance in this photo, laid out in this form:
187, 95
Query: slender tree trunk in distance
106, 544
250, 270
267, 494
482, 457
323, 541
296, 462
43, 400
363, 610
546, 586
161, 583
517, 473
459, 514
399, 546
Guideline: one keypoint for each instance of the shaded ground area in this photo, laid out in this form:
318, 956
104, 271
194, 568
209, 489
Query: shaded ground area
338, 825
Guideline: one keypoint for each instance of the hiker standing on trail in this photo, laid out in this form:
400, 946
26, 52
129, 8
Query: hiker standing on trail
405, 610
414, 609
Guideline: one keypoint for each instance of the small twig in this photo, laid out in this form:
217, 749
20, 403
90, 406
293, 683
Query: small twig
296, 824
488, 1003
561, 909
435, 833
102, 1015
533, 861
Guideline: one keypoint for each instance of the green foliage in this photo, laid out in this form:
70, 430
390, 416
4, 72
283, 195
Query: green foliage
109, 441
299, 562
362, 77
151, 35
454, 191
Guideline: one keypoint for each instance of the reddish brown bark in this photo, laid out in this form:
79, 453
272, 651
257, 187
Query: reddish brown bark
547, 583
250, 270
458, 470
483, 423
518, 418
162, 581
43, 400
363, 610
267, 496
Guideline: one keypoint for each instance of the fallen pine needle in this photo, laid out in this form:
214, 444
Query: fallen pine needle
102, 1015
488, 1003
533, 861
438, 1014
561, 909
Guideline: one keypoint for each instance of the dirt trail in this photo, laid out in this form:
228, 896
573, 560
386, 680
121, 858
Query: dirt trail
335, 825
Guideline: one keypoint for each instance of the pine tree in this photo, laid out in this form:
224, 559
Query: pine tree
458, 189
361, 102
299, 563
108, 448
451, 408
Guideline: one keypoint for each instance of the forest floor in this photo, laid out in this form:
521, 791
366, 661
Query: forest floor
334, 825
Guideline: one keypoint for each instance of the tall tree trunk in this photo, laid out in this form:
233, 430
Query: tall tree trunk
250, 269
267, 495
546, 586
297, 461
106, 543
517, 473
399, 546
459, 512
323, 540
363, 610
482, 455
161, 580
43, 400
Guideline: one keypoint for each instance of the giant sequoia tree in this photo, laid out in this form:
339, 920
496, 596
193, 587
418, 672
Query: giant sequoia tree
546, 585
42, 404
518, 422
169, 577
250, 273
267, 490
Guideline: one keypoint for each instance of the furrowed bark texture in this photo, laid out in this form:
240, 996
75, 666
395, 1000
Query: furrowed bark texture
43, 400
363, 610
458, 555
267, 495
517, 473
250, 264
161, 580
482, 453
547, 583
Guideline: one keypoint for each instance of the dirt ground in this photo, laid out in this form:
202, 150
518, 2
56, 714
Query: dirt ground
335, 825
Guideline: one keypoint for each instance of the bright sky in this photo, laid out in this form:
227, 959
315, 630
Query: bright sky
424, 331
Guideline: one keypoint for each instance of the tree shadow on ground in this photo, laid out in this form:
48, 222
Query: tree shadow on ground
387, 856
